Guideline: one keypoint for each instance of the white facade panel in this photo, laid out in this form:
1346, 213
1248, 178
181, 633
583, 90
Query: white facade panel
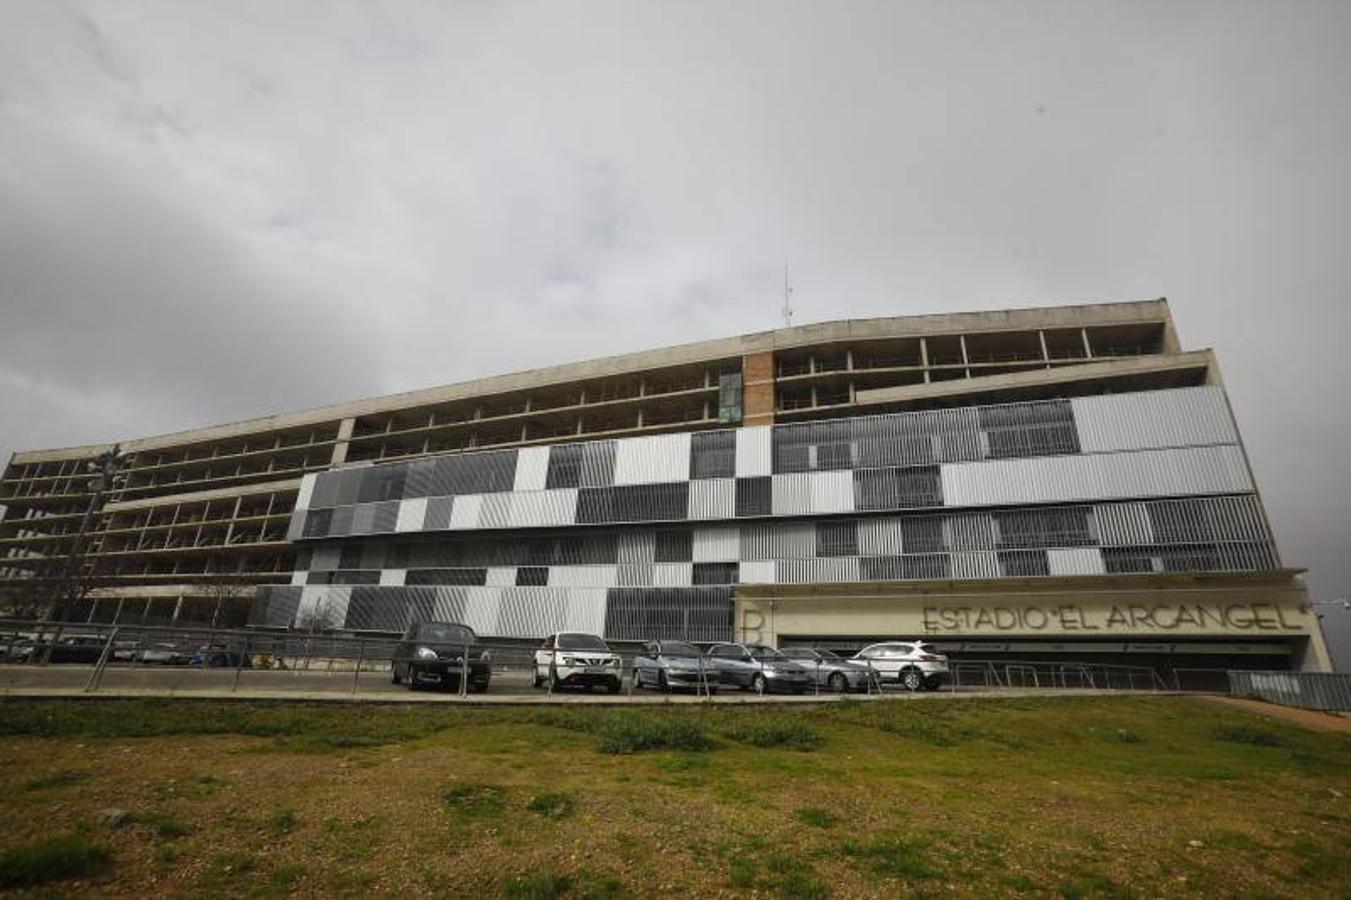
832, 492
299, 576
712, 498
653, 460
532, 469
717, 544
543, 508
1123, 524
585, 611
759, 571
754, 455
969, 531
501, 576
306, 490
1181, 417
792, 495
1104, 476
879, 537
673, 574
637, 547
583, 576
531, 611
412, 513
784, 540
481, 608
975, 565
495, 511
392, 577
1078, 561
464, 514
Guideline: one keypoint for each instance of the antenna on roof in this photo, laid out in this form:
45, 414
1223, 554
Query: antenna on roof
787, 299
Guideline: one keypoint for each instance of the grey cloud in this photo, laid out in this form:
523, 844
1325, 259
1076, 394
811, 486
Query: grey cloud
211, 211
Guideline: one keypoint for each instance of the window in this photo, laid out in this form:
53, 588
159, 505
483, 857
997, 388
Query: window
565, 466
675, 545
1030, 429
837, 538
713, 454
715, 573
532, 576
729, 398
754, 496
1024, 562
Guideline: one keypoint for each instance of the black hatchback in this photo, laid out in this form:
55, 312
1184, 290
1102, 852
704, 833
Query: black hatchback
439, 653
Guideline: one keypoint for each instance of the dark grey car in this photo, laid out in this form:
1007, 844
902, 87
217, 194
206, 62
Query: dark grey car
759, 668
832, 671
439, 653
665, 665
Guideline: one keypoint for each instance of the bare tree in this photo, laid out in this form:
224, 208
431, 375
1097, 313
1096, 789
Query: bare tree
319, 618
231, 598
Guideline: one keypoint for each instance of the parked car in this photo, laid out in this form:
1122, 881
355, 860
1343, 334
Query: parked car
666, 665
437, 653
162, 655
220, 657
913, 665
759, 668
830, 670
577, 659
80, 649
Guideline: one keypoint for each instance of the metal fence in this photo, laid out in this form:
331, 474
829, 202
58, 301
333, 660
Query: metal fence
176, 659
1328, 691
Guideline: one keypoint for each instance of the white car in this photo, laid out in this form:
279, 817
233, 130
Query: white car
574, 658
913, 665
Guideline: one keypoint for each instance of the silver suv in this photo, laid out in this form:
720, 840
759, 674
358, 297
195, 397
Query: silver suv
913, 665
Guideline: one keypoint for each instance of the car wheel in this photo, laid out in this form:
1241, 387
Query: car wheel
662, 683
553, 679
394, 675
758, 684
615, 685
912, 680
637, 679
838, 683
412, 678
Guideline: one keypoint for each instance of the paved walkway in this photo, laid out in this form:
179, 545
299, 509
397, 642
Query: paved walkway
1309, 718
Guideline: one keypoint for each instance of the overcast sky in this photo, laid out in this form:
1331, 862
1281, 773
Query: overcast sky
212, 210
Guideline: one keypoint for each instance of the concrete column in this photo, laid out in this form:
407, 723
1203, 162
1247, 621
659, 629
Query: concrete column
345, 428
961, 339
1045, 356
924, 358
1088, 348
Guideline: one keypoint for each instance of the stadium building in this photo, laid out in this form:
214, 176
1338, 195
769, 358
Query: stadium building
1058, 483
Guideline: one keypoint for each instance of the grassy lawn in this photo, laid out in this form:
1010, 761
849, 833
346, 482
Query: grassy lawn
1072, 797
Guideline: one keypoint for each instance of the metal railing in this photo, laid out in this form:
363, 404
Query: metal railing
1327, 691
222, 659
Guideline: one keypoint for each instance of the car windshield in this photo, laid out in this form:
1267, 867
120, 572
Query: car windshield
582, 642
829, 654
925, 648
441, 631
759, 651
678, 649
798, 654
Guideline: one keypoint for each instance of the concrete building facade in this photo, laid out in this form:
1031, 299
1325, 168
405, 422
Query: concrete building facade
1064, 477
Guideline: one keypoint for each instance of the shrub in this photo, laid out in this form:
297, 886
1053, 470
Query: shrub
539, 885
65, 856
631, 733
817, 818
1247, 734
471, 799
786, 732
552, 805
56, 779
163, 825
